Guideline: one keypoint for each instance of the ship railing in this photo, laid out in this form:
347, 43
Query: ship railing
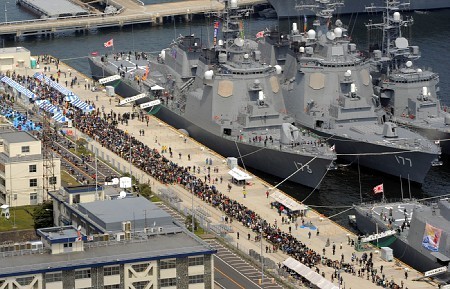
386, 201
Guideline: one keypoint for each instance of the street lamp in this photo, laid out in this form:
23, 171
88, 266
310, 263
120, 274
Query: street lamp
6, 14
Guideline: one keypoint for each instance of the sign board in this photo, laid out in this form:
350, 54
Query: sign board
132, 98
108, 79
378, 236
435, 271
125, 182
150, 104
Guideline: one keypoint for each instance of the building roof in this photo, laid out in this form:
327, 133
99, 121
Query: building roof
17, 136
155, 247
60, 234
110, 214
82, 189
13, 49
56, 8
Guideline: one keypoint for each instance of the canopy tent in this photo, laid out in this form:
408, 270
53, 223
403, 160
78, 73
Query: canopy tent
59, 117
310, 275
18, 87
288, 202
47, 106
49, 81
80, 104
70, 97
156, 87
239, 175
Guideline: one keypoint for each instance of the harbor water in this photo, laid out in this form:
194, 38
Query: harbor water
340, 188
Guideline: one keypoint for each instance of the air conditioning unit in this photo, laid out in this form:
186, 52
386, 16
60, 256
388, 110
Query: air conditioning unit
160, 229
127, 235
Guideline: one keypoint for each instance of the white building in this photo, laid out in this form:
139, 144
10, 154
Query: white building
14, 57
22, 170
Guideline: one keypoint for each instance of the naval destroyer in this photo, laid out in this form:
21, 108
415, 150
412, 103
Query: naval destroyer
328, 90
292, 8
225, 97
408, 93
417, 231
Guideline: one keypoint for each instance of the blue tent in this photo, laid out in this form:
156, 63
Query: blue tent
54, 84
18, 87
59, 117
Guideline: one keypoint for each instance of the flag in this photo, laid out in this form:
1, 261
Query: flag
378, 189
333, 148
109, 43
305, 23
260, 34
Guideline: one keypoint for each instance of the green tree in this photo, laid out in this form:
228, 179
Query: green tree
43, 216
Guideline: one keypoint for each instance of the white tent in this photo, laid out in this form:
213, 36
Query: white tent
156, 87
287, 201
308, 274
239, 175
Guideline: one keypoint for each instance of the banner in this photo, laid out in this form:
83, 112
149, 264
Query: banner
108, 79
132, 98
216, 32
431, 238
150, 103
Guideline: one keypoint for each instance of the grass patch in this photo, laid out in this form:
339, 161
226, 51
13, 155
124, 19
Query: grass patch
199, 232
155, 199
67, 179
24, 219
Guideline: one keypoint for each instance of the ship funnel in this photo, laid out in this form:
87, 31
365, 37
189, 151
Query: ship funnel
289, 134
294, 28
447, 119
163, 54
338, 32
311, 34
390, 130
220, 42
397, 17
233, 4
278, 69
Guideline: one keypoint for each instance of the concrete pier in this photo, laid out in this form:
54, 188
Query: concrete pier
158, 134
130, 13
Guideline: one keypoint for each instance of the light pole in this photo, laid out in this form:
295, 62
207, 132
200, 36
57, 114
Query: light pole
262, 258
6, 12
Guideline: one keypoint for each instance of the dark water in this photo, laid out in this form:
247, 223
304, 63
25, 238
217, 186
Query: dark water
341, 187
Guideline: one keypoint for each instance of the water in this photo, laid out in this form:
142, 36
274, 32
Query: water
340, 188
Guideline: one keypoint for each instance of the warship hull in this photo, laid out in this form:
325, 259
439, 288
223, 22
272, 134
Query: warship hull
286, 8
412, 165
271, 161
433, 134
401, 248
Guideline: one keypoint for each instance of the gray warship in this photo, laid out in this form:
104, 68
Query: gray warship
408, 93
328, 90
224, 97
287, 8
417, 231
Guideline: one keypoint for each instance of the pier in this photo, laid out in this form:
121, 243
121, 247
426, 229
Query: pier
129, 12
187, 152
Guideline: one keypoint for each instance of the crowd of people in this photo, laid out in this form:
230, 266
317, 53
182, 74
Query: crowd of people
103, 127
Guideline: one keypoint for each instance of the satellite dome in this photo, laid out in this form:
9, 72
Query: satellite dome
294, 27
278, 69
348, 73
233, 3
409, 63
338, 32
163, 54
311, 34
338, 23
220, 42
209, 74
397, 16
301, 49
419, 70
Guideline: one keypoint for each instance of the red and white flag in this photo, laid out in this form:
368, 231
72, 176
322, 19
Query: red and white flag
109, 43
378, 189
260, 34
